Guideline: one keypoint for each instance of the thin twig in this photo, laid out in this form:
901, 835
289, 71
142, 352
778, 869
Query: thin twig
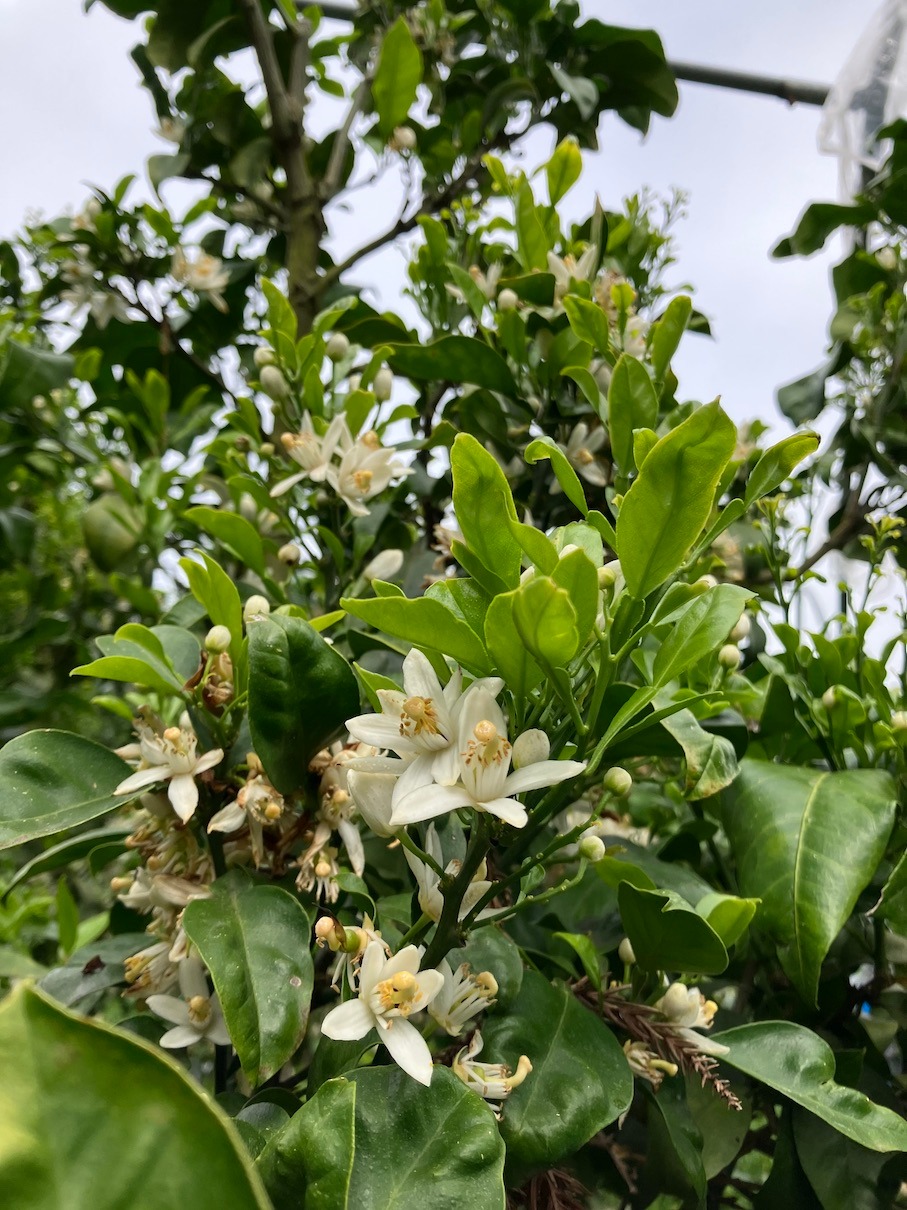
331, 182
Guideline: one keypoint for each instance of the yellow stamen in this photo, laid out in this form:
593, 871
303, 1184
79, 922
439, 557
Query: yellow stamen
523, 1068
418, 714
362, 480
399, 991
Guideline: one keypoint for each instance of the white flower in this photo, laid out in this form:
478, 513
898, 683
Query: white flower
364, 470
150, 970
431, 901
196, 1016
492, 1081
172, 130
390, 991
487, 283
688, 1011
318, 871
168, 756
373, 794
148, 891
420, 724
581, 449
257, 805
313, 453
384, 566
205, 275
463, 996
486, 784
636, 336
84, 220
568, 269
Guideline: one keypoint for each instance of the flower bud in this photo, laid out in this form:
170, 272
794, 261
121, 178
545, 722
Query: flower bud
384, 566
611, 576
625, 952
264, 356
337, 347
592, 848
218, 640
383, 384
403, 139
705, 582
266, 449
353, 382
508, 300
290, 554
256, 607
899, 720
729, 656
330, 932
887, 258
274, 384
617, 781
741, 630
675, 1003
530, 747
830, 697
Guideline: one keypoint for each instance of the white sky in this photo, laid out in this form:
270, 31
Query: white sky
748, 163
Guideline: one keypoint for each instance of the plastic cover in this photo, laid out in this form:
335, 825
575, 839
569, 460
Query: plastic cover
870, 92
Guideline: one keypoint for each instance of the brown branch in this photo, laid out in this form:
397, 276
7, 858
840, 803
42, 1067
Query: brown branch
342, 139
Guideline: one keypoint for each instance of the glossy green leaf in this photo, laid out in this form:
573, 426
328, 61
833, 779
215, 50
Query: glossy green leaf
564, 169
53, 781
425, 622
397, 76
844, 1175
213, 588
722, 1129
667, 505
700, 629
729, 915
580, 1081
806, 843
255, 942
484, 507
544, 447
711, 762
632, 404
67, 851
506, 648
531, 238
584, 948
234, 532
488, 948
130, 670
667, 334
800, 1065
456, 359
674, 1157
777, 463
644, 441
380, 1141
93, 1117
301, 692
588, 322
893, 904
667, 934
577, 575
536, 546
546, 621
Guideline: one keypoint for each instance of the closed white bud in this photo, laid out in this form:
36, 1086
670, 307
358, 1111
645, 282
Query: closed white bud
337, 347
354, 381
625, 952
508, 300
264, 356
729, 656
274, 384
899, 720
741, 630
887, 258
403, 139
384, 566
383, 384
218, 640
256, 607
830, 697
290, 554
611, 575
592, 848
617, 781
705, 582
530, 747
675, 1003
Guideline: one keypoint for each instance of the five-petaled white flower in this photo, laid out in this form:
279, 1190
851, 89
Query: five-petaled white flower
195, 1016
486, 783
390, 991
364, 470
205, 275
313, 453
463, 996
568, 269
168, 755
420, 724
492, 1081
688, 1011
581, 450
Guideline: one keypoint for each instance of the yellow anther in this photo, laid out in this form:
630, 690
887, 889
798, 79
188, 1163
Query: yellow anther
523, 1068
362, 479
172, 735
199, 1010
323, 869
485, 732
487, 983
272, 812
399, 992
371, 439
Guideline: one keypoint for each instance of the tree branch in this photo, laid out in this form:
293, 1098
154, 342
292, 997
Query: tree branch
331, 183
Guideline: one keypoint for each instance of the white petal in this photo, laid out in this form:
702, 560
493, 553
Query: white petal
348, 1022
430, 802
217, 1033
372, 794
380, 730
208, 761
406, 960
169, 1008
192, 979
445, 766
183, 795
543, 773
285, 484
594, 473
372, 965
708, 1046
143, 778
228, 818
349, 834
180, 1036
408, 1049
419, 677
418, 773
478, 706
507, 809
429, 983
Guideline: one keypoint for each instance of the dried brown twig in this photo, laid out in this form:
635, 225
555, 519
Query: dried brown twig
551, 1190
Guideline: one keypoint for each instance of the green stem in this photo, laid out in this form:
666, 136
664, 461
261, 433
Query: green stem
417, 932
408, 843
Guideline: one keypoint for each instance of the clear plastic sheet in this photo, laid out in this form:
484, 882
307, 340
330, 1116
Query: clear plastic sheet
870, 92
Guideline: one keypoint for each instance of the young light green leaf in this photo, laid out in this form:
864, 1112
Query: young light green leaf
484, 508
544, 447
506, 648
397, 76
234, 532
424, 622
564, 169
577, 575
632, 404
667, 334
588, 322
546, 621
777, 463
728, 915
700, 629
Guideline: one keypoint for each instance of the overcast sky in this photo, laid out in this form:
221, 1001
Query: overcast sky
749, 164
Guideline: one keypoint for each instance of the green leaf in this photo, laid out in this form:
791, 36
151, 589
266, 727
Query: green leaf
344, 1151
722, 1131
454, 359
667, 333
806, 843
537, 546
667, 934
255, 942
667, 505
423, 622
800, 1065
578, 576
85, 1106
698, 630
531, 237
674, 1159
546, 621
632, 404
301, 692
711, 762
844, 1175
728, 915
131, 671
53, 781
213, 588
564, 169
776, 464
509, 653
26, 372
544, 447
67, 851
893, 904
584, 948
489, 949
484, 508
398, 75
580, 1081
588, 322
235, 533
